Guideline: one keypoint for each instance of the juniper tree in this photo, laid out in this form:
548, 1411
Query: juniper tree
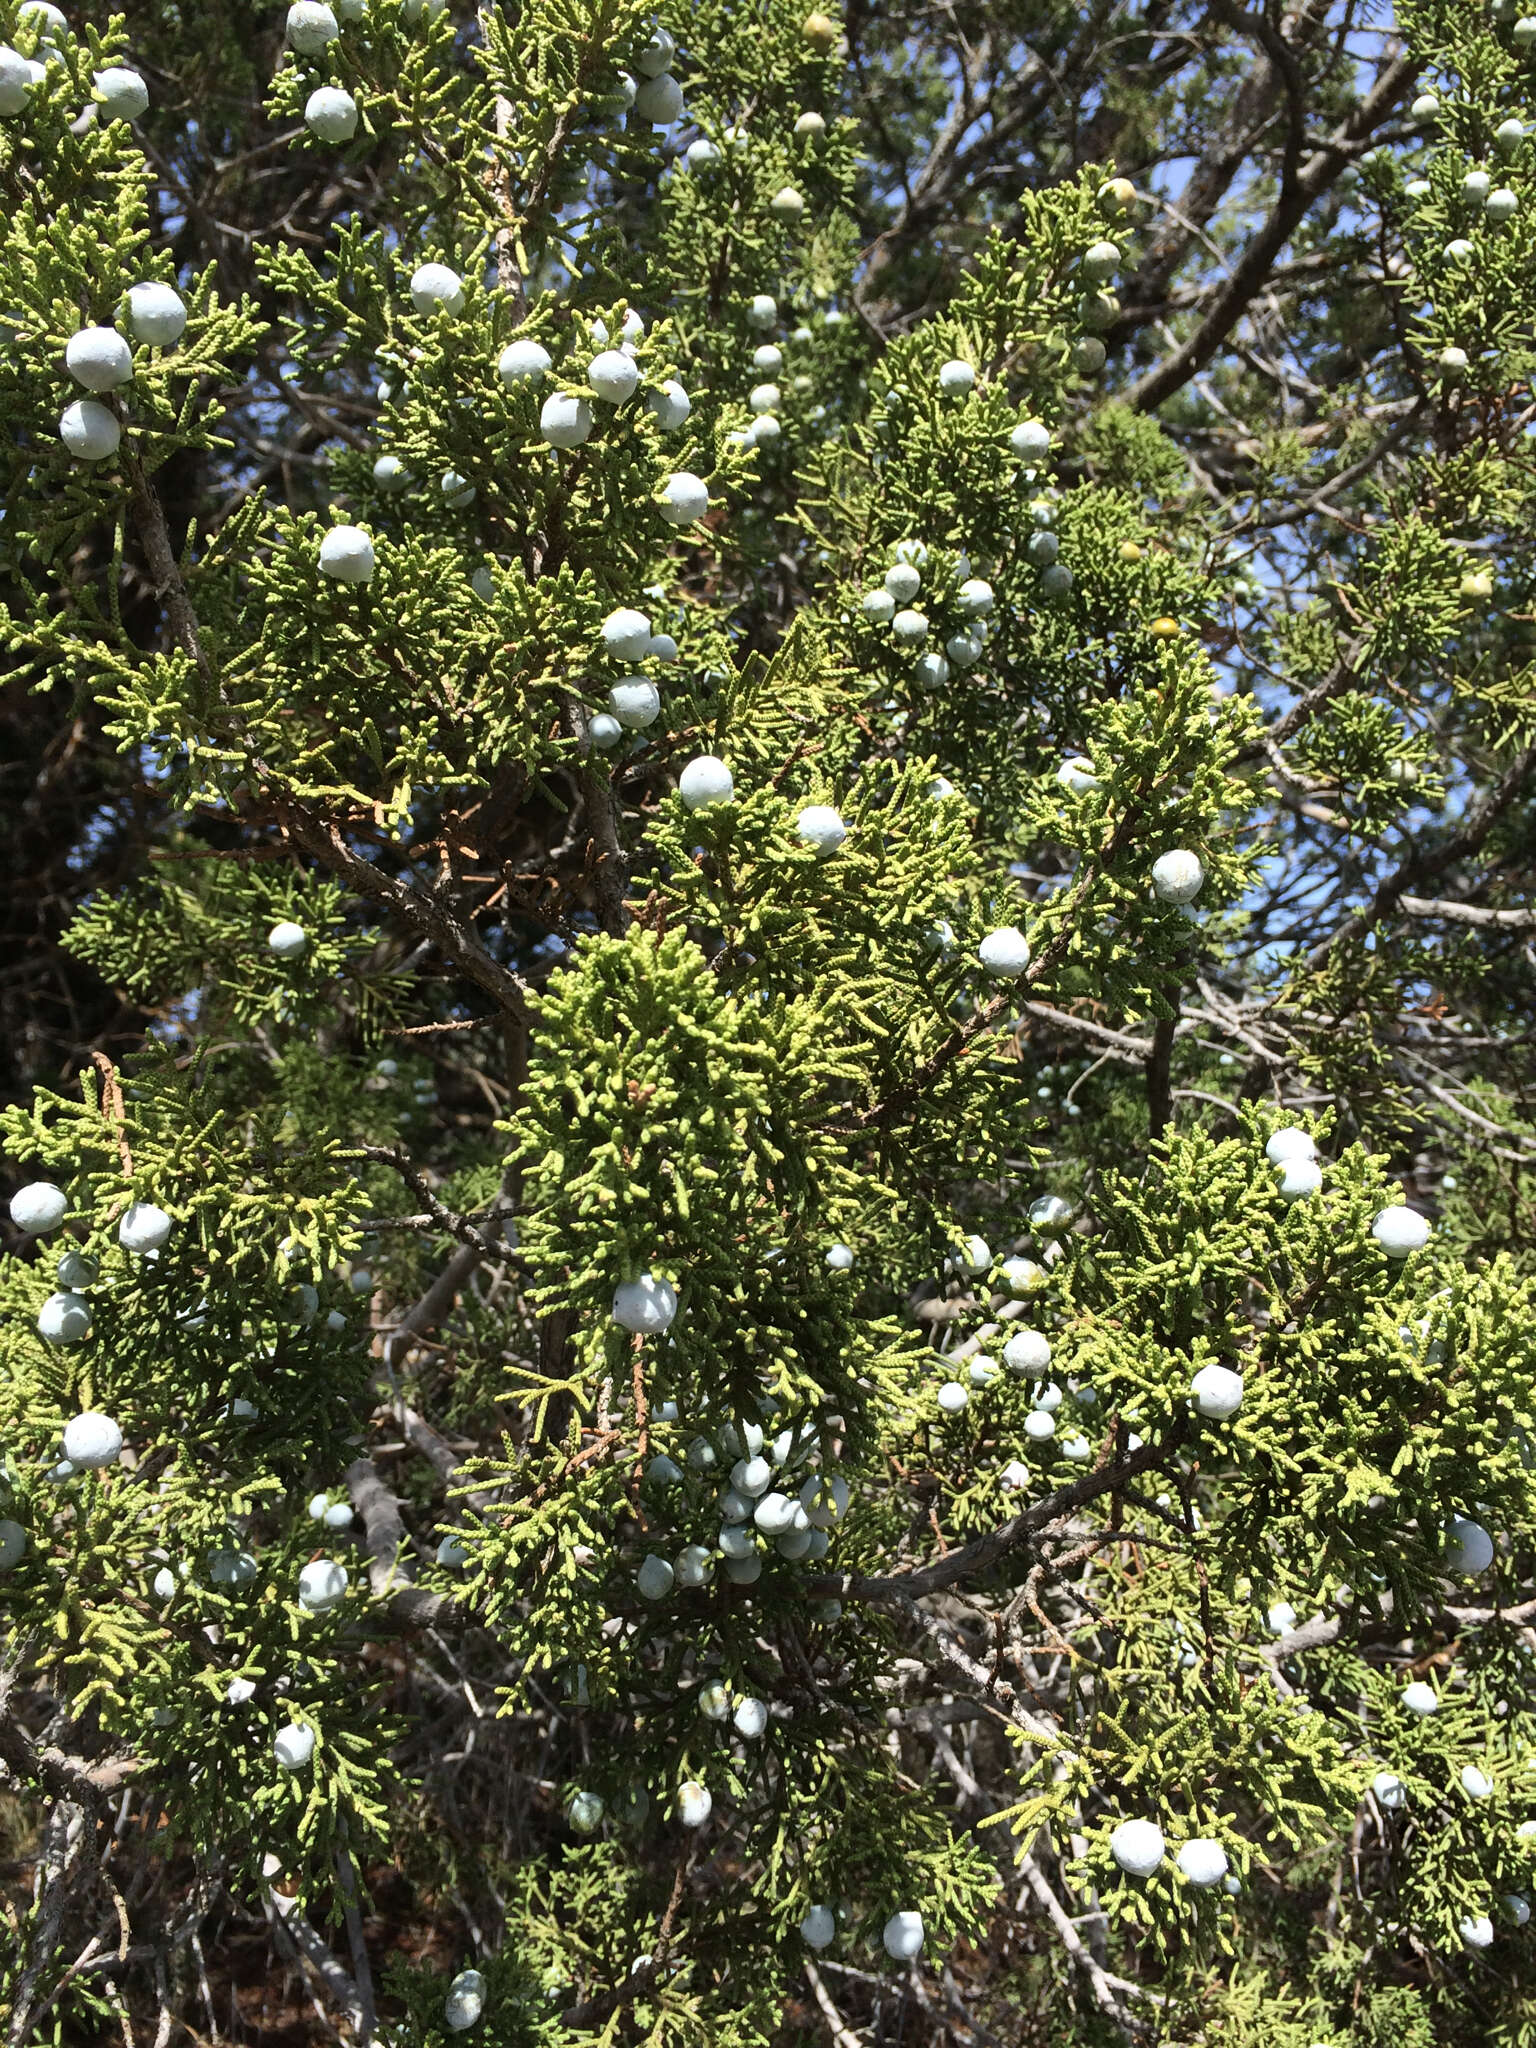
769, 1273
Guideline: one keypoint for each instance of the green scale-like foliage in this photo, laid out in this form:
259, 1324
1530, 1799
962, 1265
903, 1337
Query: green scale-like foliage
552, 1028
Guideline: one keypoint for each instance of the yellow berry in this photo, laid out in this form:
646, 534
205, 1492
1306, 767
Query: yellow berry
820, 31
1129, 552
1164, 629
1117, 197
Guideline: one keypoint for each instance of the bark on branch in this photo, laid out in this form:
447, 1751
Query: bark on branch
1252, 269
427, 915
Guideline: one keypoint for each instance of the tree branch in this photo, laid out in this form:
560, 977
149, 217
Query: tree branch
64, 1839
1467, 913
842, 2035
427, 915
437, 1212
1088, 1027
1072, 1942
1252, 270
982, 1552
1160, 1076
1419, 866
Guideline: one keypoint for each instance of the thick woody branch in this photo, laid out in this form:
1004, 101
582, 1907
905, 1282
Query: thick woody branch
431, 1307
438, 1213
1207, 185
1306, 708
170, 586
842, 2034
295, 1934
1103, 1991
1251, 272
1421, 865
977, 1557
427, 915
58, 1773
390, 1569
1088, 1027
1160, 1076
64, 1862
1448, 912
